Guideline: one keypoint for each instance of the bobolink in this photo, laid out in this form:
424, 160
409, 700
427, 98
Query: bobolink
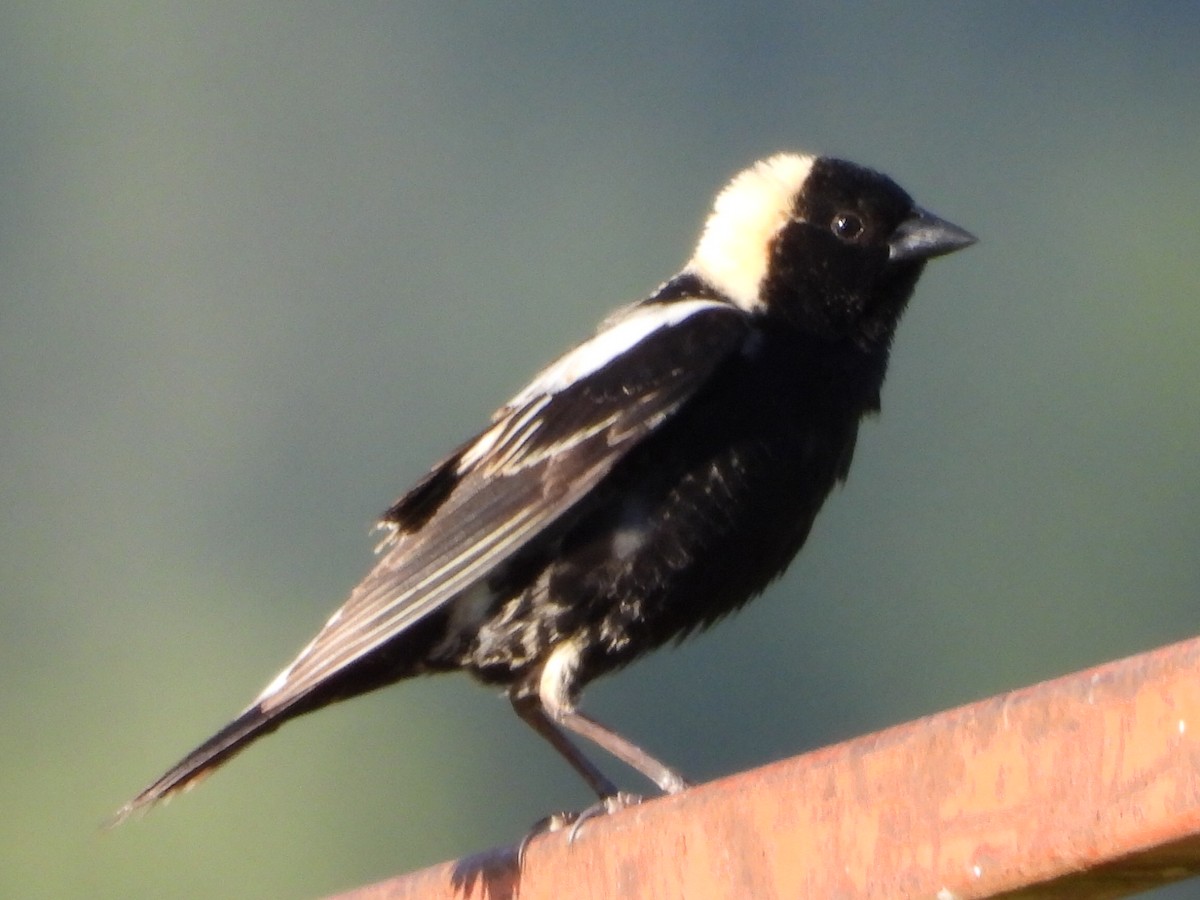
647, 483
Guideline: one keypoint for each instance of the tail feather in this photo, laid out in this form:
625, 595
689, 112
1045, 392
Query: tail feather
189, 771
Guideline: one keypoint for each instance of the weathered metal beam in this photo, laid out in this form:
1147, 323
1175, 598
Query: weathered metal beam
1085, 786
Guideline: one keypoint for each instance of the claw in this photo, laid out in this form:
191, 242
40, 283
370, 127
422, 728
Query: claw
547, 825
606, 807
575, 820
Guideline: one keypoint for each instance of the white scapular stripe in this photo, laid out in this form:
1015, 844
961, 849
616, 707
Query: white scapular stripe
623, 334
589, 357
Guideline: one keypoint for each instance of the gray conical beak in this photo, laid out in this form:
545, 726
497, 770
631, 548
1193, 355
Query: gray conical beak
924, 236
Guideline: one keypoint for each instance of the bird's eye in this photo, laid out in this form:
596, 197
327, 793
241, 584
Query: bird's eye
847, 227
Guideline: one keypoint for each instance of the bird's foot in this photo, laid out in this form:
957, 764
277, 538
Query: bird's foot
609, 805
575, 820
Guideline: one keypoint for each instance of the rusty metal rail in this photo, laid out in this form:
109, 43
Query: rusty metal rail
1085, 786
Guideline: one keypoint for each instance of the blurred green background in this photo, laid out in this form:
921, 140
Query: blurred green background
263, 262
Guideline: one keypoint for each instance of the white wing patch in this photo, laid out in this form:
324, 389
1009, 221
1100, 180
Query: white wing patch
621, 334
519, 419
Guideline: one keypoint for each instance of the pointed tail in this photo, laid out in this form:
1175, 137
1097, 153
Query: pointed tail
190, 770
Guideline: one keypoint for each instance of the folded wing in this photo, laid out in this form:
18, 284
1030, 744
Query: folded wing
544, 451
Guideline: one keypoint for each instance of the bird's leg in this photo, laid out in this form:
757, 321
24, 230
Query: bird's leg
552, 705
549, 702
532, 713
529, 709
670, 781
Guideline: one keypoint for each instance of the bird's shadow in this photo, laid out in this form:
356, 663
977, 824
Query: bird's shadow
496, 872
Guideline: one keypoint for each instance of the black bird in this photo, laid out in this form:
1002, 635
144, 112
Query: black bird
647, 483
